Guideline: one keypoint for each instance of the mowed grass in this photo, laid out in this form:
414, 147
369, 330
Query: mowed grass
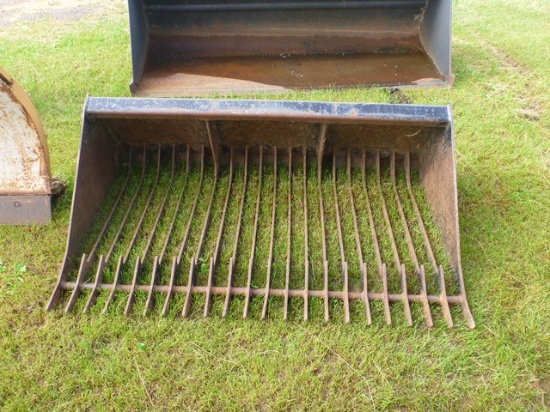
51, 361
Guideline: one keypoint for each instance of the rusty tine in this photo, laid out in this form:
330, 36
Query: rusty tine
320, 152
443, 298
162, 206
173, 273
97, 282
289, 236
405, 295
114, 285
425, 239
385, 299
346, 292
366, 293
145, 210
229, 286
272, 236
130, 207
206, 221
209, 287
408, 237
178, 206
131, 295
112, 212
306, 240
374, 236
385, 213
254, 237
84, 265
154, 274
343, 261
232, 259
183, 246
189, 290
358, 247
214, 259
425, 303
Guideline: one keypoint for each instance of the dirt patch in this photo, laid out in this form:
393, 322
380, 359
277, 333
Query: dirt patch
25, 11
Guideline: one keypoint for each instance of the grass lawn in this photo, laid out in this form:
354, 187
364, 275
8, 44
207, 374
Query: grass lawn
500, 100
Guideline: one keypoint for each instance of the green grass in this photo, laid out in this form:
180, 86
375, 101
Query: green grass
50, 361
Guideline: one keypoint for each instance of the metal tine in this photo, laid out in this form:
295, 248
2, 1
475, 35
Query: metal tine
183, 246
232, 259
306, 240
386, 215
419, 219
343, 261
116, 280
131, 295
374, 236
170, 286
358, 247
443, 298
408, 237
97, 282
84, 265
369, 210
254, 238
272, 236
112, 212
189, 291
464, 302
173, 271
145, 210
215, 257
320, 152
178, 206
366, 293
154, 274
140, 259
385, 298
405, 295
424, 295
207, 217
162, 206
289, 235
130, 207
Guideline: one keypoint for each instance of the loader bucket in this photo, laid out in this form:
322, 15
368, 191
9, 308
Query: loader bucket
197, 47
265, 208
24, 158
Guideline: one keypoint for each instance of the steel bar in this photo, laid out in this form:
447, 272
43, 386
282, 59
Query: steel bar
358, 248
130, 207
183, 246
215, 256
306, 239
289, 235
98, 280
272, 236
113, 209
237, 235
343, 262
320, 153
293, 293
254, 236
145, 210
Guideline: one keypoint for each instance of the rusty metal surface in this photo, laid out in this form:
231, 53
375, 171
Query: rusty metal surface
198, 48
326, 209
24, 158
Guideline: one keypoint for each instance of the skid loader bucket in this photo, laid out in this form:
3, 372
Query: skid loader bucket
24, 158
196, 47
248, 207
